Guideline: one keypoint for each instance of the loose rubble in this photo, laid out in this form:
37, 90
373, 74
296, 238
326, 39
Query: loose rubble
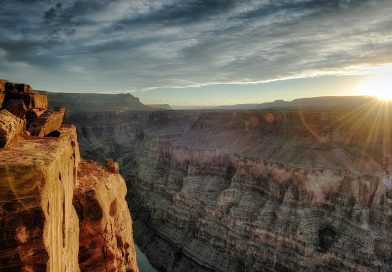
24, 110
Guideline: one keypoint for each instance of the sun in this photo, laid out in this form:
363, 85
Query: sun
378, 86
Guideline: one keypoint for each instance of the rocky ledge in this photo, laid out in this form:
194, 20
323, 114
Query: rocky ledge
39, 165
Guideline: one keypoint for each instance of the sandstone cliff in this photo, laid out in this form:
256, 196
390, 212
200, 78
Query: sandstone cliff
106, 241
272, 190
40, 229
38, 223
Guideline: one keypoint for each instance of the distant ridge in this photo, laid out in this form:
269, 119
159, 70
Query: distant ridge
322, 101
160, 106
95, 101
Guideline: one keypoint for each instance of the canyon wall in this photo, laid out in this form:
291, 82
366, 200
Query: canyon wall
42, 180
271, 190
38, 223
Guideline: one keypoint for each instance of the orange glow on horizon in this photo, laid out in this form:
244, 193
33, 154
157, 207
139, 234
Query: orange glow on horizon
378, 86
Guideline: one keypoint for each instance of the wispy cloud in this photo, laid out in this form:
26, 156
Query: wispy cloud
132, 45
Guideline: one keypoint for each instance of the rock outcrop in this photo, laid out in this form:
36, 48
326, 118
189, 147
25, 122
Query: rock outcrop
40, 229
38, 224
17, 104
10, 127
47, 122
106, 241
272, 190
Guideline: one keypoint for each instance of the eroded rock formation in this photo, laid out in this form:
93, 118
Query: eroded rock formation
272, 190
38, 223
47, 122
10, 127
267, 191
106, 241
40, 229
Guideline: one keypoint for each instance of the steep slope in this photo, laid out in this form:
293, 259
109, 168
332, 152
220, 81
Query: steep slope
266, 191
106, 241
281, 190
38, 223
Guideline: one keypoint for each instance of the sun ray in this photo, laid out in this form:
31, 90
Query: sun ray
378, 86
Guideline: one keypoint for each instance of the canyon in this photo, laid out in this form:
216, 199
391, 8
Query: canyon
284, 189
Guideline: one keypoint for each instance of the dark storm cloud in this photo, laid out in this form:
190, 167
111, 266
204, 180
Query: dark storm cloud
119, 44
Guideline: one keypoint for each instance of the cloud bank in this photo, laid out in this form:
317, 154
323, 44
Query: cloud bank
113, 45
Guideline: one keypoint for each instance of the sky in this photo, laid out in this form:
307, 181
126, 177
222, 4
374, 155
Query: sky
197, 52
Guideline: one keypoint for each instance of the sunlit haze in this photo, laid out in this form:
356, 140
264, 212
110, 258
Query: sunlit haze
378, 85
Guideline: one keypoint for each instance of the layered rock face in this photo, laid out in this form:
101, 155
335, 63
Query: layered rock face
39, 183
280, 190
267, 191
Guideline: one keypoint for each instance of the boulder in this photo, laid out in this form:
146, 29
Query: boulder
49, 121
16, 107
10, 126
11, 87
112, 166
23, 88
35, 100
31, 115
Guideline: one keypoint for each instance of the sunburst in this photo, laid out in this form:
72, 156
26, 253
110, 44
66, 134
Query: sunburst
378, 86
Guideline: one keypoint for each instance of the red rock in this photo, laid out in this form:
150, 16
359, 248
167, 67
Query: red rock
35, 100
112, 166
31, 115
49, 121
23, 88
38, 223
105, 239
16, 107
11, 87
10, 126
2, 84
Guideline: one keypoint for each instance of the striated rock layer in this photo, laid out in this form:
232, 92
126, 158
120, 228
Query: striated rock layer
271, 190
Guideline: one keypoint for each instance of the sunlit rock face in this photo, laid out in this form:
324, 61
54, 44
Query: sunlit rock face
39, 187
38, 224
282, 190
106, 241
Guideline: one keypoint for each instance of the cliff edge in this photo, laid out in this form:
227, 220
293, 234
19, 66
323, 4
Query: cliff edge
39, 166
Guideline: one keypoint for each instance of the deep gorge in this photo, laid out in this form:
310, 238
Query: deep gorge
280, 190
